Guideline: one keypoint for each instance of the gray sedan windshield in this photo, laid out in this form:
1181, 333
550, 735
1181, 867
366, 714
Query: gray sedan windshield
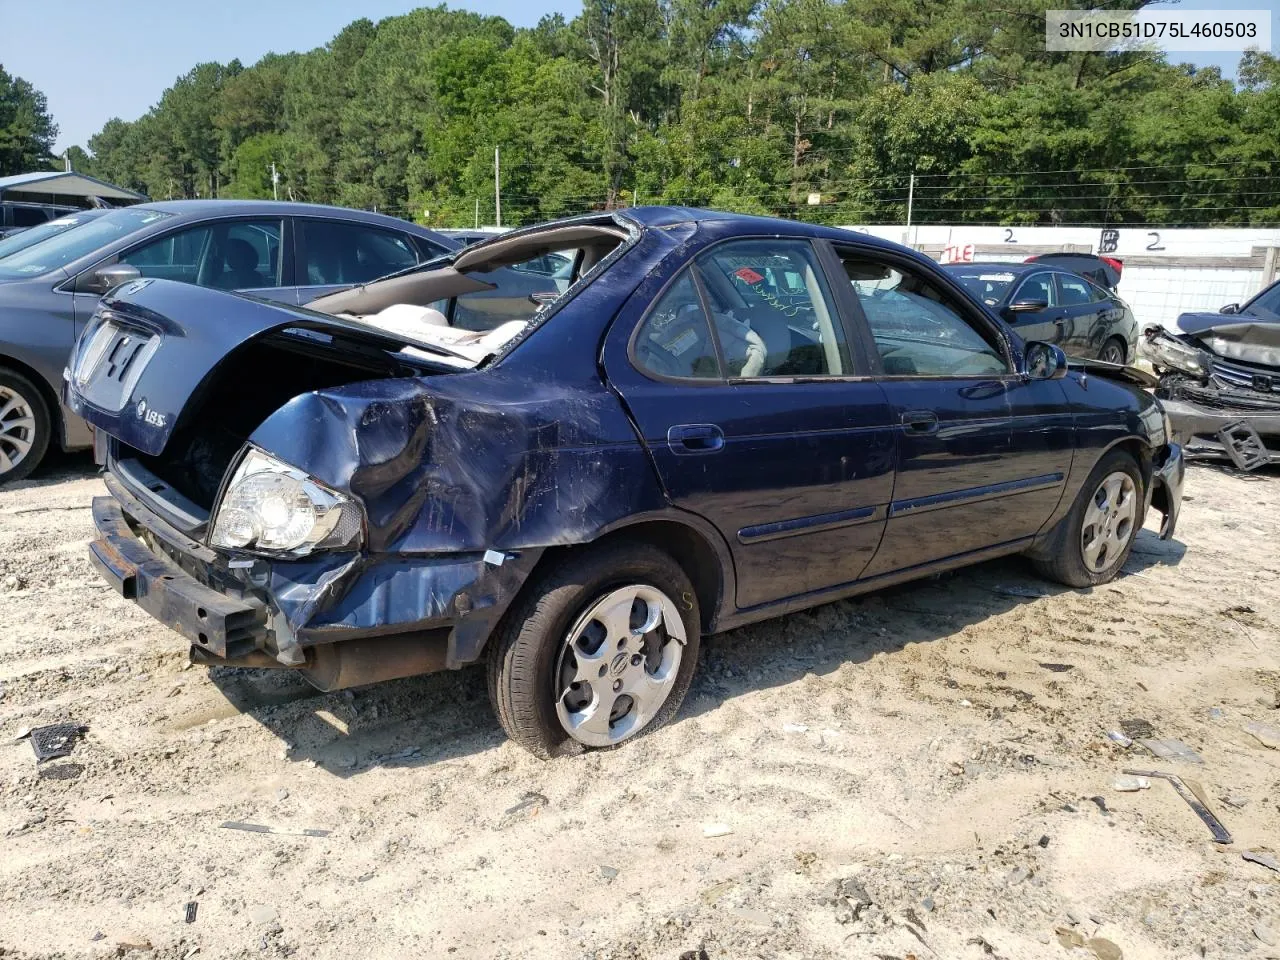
29, 238
63, 248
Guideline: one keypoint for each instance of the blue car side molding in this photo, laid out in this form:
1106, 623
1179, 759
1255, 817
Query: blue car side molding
973, 494
821, 521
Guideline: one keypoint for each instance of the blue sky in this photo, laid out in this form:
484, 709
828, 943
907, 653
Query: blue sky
95, 60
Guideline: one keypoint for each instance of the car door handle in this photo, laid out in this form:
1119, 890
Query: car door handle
920, 421
689, 438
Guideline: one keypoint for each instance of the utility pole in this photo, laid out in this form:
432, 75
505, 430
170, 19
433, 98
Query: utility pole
275, 182
477, 213
67, 157
497, 186
911, 196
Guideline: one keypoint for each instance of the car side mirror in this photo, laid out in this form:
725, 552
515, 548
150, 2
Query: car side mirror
1028, 306
1230, 308
1044, 361
105, 279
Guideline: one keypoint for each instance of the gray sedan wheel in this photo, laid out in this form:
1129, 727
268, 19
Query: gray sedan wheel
1113, 351
24, 426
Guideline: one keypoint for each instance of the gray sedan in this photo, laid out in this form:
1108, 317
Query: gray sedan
288, 252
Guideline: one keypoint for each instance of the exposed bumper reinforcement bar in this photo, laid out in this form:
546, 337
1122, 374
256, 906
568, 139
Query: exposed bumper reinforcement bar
211, 620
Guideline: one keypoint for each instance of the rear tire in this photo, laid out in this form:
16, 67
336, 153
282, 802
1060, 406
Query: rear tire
543, 662
1114, 351
1093, 540
25, 426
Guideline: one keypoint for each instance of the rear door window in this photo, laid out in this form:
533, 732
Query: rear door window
773, 314
341, 252
1074, 291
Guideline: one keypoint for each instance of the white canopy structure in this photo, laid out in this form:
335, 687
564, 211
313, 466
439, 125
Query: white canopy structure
49, 185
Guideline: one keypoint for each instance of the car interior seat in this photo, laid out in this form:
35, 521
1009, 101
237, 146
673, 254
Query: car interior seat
240, 266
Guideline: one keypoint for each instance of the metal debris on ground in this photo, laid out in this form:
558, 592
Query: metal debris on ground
56, 740
1102, 804
1056, 667
1131, 784
281, 831
192, 907
528, 799
1195, 800
1263, 859
1174, 750
1265, 733
1115, 736
1043, 842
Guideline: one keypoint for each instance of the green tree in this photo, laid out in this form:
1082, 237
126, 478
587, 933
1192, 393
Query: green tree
27, 131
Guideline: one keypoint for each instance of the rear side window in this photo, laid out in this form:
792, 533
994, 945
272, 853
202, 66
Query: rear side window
1075, 291
337, 252
1099, 292
675, 339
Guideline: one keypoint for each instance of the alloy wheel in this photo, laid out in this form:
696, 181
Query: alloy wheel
618, 664
17, 429
1108, 521
1112, 353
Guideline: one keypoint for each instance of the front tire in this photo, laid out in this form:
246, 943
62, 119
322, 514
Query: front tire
24, 426
601, 649
1093, 541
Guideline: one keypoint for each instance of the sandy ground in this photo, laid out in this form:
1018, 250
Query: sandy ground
932, 750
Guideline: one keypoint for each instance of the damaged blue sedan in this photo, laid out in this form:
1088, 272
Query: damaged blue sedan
716, 419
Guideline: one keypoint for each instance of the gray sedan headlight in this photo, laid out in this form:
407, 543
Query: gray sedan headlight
1166, 351
271, 507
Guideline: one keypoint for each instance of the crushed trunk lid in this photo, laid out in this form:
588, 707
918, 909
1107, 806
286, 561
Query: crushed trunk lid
153, 344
